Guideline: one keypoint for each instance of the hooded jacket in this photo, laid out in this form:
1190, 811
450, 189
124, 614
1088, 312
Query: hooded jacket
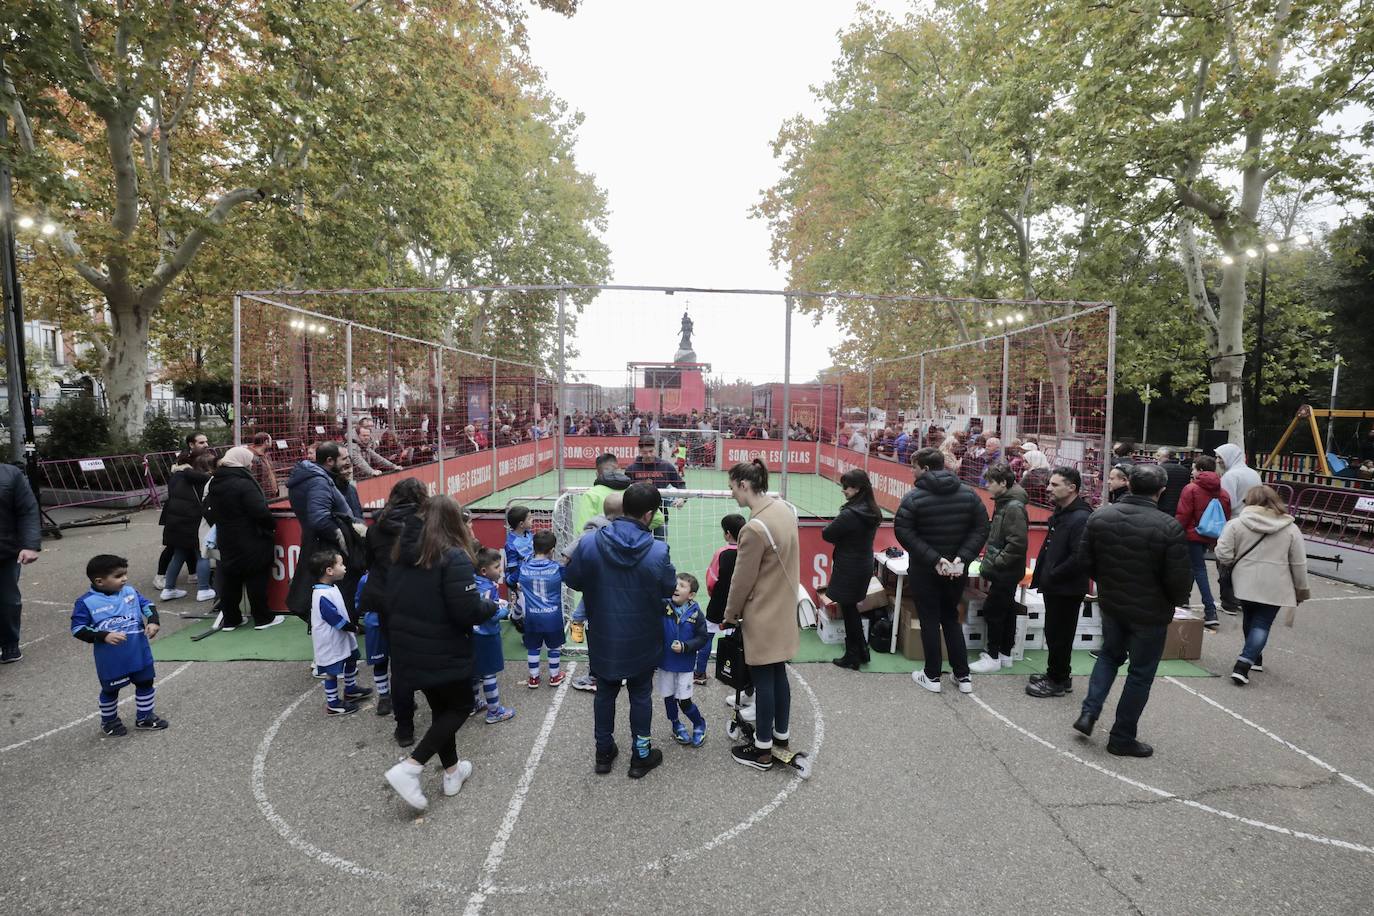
1239, 476
1194, 501
851, 568
1274, 571
941, 518
1056, 568
234, 504
1005, 557
19, 517
1139, 558
381, 541
593, 501
431, 613
183, 512
624, 576
316, 501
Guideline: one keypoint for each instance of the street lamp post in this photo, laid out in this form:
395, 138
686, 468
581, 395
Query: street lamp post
21, 411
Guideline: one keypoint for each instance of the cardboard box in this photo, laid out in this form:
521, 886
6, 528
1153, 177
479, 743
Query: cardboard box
1087, 640
830, 630
876, 597
1034, 639
909, 634
1184, 639
1018, 650
975, 634
827, 608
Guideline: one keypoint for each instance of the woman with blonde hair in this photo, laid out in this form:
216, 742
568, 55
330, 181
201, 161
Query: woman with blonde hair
1268, 560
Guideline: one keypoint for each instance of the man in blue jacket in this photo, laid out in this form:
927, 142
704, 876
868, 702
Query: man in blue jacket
322, 510
625, 575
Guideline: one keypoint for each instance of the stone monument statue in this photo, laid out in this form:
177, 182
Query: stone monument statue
685, 353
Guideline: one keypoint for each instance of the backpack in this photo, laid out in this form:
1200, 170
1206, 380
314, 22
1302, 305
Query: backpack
1213, 520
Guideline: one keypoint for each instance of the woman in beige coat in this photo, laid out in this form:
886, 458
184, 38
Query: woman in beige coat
763, 601
1269, 570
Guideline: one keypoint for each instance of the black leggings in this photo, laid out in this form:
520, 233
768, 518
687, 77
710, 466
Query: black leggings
1000, 612
449, 706
855, 646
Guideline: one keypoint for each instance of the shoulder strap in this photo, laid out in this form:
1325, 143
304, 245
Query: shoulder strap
771, 543
1251, 547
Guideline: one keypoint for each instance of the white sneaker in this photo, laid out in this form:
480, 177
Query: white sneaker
280, 618
454, 781
986, 664
747, 713
965, 683
920, 678
205, 594
1005, 661
405, 779
744, 700
159, 581
172, 594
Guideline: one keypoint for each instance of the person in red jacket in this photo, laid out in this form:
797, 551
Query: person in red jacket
1206, 486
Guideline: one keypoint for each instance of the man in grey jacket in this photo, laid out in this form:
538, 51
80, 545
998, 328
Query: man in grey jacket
366, 461
20, 541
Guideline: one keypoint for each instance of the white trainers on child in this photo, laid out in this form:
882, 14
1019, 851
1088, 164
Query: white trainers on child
405, 779
454, 781
986, 664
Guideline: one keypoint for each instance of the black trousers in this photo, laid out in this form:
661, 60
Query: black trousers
449, 706
232, 585
1000, 612
1061, 622
855, 646
937, 607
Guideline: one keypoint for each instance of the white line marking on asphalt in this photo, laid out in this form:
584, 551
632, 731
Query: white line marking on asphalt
288, 833
65, 604
1264, 731
1369, 597
497, 852
718, 840
75, 722
1162, 793
25, 645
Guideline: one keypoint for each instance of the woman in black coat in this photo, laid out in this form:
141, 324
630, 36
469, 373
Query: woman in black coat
433, 604
851, 566
244, 532
181, 518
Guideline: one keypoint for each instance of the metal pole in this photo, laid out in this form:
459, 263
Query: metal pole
868, 419
238, 370
786, 390
491, 416
925, 420
562, 341
439, 387
1145, 427
1006, 373
1331, 420
348, 382
1111, 396
21, 417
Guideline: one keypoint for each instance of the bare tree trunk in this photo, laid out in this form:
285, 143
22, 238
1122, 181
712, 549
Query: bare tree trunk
126, 365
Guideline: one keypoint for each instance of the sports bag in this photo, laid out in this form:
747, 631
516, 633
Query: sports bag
731, 669
1213, 520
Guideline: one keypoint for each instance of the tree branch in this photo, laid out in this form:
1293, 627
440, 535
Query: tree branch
78, 46
16, 107
174, 262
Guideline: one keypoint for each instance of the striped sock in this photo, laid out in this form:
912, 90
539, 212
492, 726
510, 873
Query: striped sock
143, 701
381, 679
554, 655
351, 677
331, 691
533, 659
492, 691
109, 705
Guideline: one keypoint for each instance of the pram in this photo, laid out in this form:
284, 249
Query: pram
733, 672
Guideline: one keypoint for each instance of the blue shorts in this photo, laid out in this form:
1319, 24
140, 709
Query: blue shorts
487, 657
535, 641
144, 676
339, 667
378, 646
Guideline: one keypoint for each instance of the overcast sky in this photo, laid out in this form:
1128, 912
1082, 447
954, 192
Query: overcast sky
682, 102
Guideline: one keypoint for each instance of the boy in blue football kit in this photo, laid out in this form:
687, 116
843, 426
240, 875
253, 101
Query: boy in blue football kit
519, 549
684, 633
118, 622
541, 588
331, 633
488, 658
378, 649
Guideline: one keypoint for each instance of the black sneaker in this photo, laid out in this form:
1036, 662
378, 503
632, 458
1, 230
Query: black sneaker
10, 655
405, 734
153, 723
384, 705
1130, 749
1241, 673
114, 728
1084, 724
353, 696
751, 756
1212, 624
1048, 688
781, 743
604, 759
347, 709
641, 765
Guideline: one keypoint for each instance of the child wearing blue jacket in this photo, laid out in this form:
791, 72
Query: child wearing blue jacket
541, 588
684, 633
519, 549
488, 659
378, 648
118, 622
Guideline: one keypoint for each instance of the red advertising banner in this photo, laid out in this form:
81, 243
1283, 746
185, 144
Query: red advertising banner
801, 456
582, 451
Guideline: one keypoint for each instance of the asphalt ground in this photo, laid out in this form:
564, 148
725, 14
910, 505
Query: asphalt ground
1258, 799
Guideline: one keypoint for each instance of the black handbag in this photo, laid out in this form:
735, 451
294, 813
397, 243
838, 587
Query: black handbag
731, 669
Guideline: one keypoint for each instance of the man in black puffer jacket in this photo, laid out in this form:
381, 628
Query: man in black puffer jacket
942, 524
20, 541
1061, 581
1139, 558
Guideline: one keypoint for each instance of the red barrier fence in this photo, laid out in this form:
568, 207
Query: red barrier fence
109, 482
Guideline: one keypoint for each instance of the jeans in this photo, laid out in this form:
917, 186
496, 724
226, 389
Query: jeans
1228, 593
163, 559
937, 607
1000, 612
772, 702
181, 558
1197, 553
1143, 644
641, 690
11, 603
1256, 623
1061, 622
449, 707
